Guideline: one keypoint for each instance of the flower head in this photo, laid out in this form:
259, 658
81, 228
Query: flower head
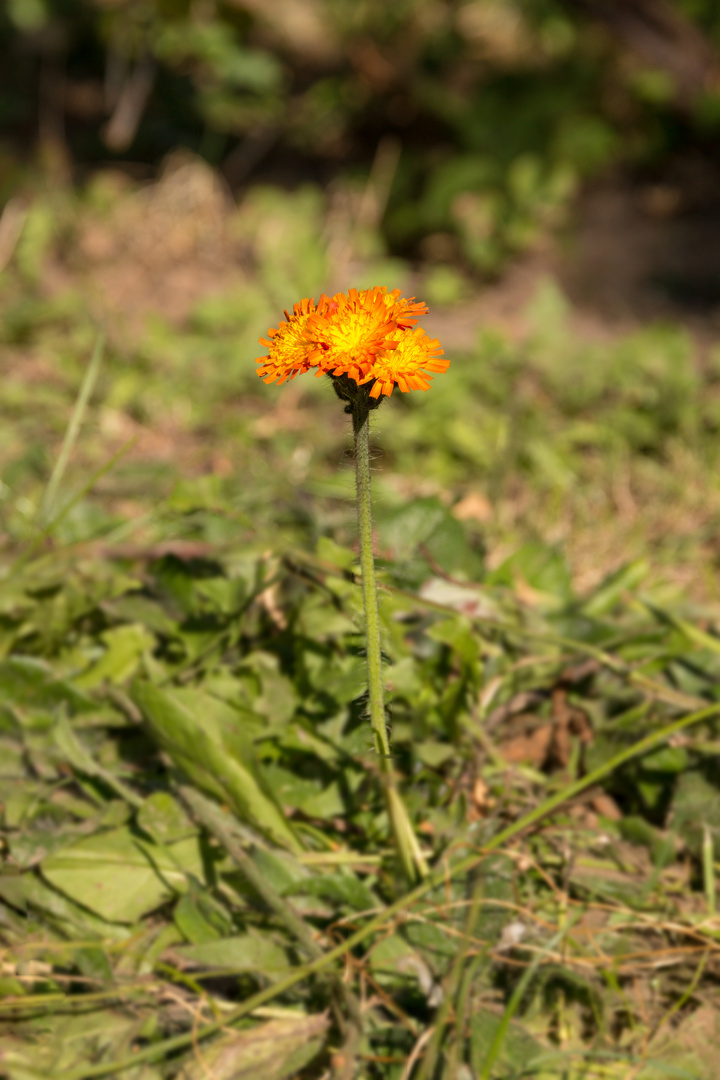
367, 335
290, 351
351, 330
407, 364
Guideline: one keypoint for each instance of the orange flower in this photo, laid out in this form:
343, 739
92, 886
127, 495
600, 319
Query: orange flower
291, 352
407, 364
367, 335
351, 330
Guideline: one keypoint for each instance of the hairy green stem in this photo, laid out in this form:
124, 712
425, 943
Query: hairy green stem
406, 842
361, 431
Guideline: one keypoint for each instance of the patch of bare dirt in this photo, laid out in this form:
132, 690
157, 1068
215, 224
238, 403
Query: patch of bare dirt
155, 250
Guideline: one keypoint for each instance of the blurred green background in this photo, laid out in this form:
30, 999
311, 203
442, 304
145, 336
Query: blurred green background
482, 117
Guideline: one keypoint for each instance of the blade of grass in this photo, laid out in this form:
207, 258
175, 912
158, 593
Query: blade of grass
514, 1003
685, 996
463, 997
86, 388
708, 865
437, 878
452, 989
693, 633
78, 497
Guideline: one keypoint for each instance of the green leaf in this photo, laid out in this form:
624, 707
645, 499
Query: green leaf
434, 754
31, 687
28, 892
278, 698
425, 525
315, 798
280, 868
667, 759
343, 887
198, 917
195, 743
541, 567
343, 678
610, 591
244, 952
458, 633
391, 953
124, 646
120, 877
432, 939
73, 751
164, 819
333, 553
64, 1043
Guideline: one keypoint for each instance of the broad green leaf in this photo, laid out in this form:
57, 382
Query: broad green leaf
94, 962
72, 750
120, 877
140, 611
199, 917
342, 678
426, 527
30, 687
433, 753
244, 952
31, 846
281, 869
315, 798
164, 818
391, 953
668, 759
192, 924
460, 636
19, 796
27, 892
196, 744
343, 887
278, 697
329, 551
431, 939
124, 647
540, 567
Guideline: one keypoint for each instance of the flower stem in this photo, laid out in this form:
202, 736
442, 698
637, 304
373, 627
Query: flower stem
406, 842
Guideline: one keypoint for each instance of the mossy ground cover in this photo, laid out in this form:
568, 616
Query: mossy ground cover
198, 879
